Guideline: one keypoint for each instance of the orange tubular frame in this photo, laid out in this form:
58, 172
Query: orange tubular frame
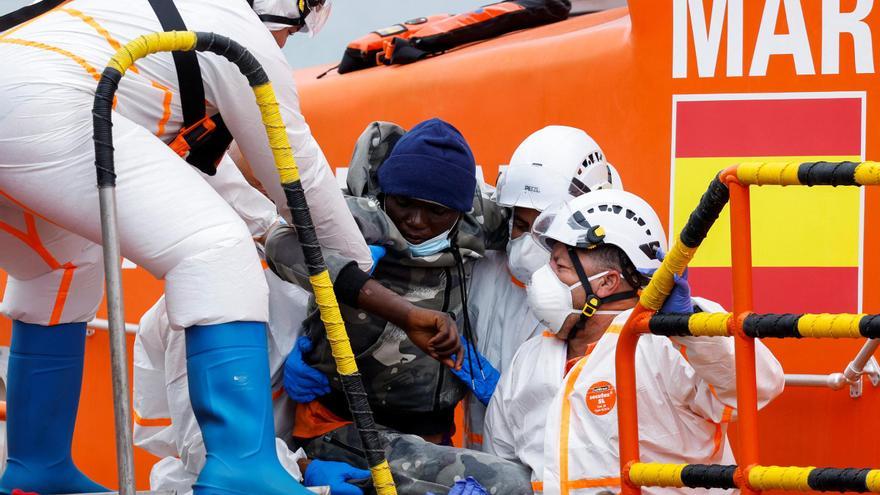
746, 384
732, 186
746, 381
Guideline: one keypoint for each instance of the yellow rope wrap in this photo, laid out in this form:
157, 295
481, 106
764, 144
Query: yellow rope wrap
656, 474
873, 480
662, 281
868, 173
709, 324
277, 132
780, 478
778, 173
332, 318
382, 479
172, 41
835, 326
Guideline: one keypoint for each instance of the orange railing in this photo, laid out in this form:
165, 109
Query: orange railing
732, 185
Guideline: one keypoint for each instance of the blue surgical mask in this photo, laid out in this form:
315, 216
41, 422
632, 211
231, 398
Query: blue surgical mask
431, 246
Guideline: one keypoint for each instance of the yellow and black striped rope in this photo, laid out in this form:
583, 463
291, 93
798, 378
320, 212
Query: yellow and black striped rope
770, 325
809, 173
717, 196
799, 479
826, 326
296, 202
682, 475
685, 246
803, 479
684, 324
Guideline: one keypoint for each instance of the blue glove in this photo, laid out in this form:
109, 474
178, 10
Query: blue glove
336, 475
679, 300
481, 384
302, 382
377, 253
467, 486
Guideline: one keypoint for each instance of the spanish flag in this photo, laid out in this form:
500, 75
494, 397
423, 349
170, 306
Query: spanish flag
805, 241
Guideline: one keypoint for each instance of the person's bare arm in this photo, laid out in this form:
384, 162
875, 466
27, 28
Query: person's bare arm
433, 332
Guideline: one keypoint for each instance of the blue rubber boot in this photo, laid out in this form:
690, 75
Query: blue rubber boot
228, 367
45, 377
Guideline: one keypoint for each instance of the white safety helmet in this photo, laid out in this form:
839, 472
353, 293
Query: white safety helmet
610, 217
309, 15
552, 165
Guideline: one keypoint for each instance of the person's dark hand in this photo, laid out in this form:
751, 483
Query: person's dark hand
436, 334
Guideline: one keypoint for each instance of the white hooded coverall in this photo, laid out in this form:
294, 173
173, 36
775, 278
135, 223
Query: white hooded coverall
171, 220
564, 426
502, 321
164, 421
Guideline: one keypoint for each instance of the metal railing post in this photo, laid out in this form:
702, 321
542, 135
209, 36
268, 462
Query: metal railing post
746, 385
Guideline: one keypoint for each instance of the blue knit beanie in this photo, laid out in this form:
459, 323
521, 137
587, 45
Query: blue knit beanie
431, 162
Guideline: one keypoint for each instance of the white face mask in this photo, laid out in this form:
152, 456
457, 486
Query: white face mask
525, 256
432, 246
551, 300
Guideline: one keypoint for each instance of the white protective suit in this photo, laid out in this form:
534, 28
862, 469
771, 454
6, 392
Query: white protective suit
164, 421
540, 416
172, 221
502, 321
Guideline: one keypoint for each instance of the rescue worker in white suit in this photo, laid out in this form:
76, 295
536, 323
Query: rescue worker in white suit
554, 409
552, 165
164, 422
172, 222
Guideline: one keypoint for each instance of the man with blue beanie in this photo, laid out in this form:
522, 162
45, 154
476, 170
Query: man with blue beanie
432, 162
414, 195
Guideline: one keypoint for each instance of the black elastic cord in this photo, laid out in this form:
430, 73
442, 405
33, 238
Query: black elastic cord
469, 335
588, 289
590, 294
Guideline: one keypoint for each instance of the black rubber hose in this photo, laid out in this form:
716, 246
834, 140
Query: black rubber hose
103, 127
828, 173
838, 480
670, 324
708, 476
771, 325
705, 214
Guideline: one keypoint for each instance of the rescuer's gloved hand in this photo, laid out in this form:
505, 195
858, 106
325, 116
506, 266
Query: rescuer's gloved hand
679, 300
302, 382
482, 383
377, 253
335, 474
467, 486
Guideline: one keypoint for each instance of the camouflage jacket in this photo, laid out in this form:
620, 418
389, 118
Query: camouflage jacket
409, 391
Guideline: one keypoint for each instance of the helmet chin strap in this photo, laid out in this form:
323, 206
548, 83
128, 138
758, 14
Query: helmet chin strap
593, 301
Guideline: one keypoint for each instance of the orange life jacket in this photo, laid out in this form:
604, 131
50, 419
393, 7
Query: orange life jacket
419, 38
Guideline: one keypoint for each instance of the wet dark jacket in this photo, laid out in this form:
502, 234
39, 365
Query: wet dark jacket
409, 391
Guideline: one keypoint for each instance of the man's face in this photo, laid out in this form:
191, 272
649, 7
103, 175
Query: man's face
419, 220
562, 266
281, 35
523, 218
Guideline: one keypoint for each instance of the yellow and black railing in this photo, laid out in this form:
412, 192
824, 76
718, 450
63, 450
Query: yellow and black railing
762, 326
732, 186
755, 478
296, 202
